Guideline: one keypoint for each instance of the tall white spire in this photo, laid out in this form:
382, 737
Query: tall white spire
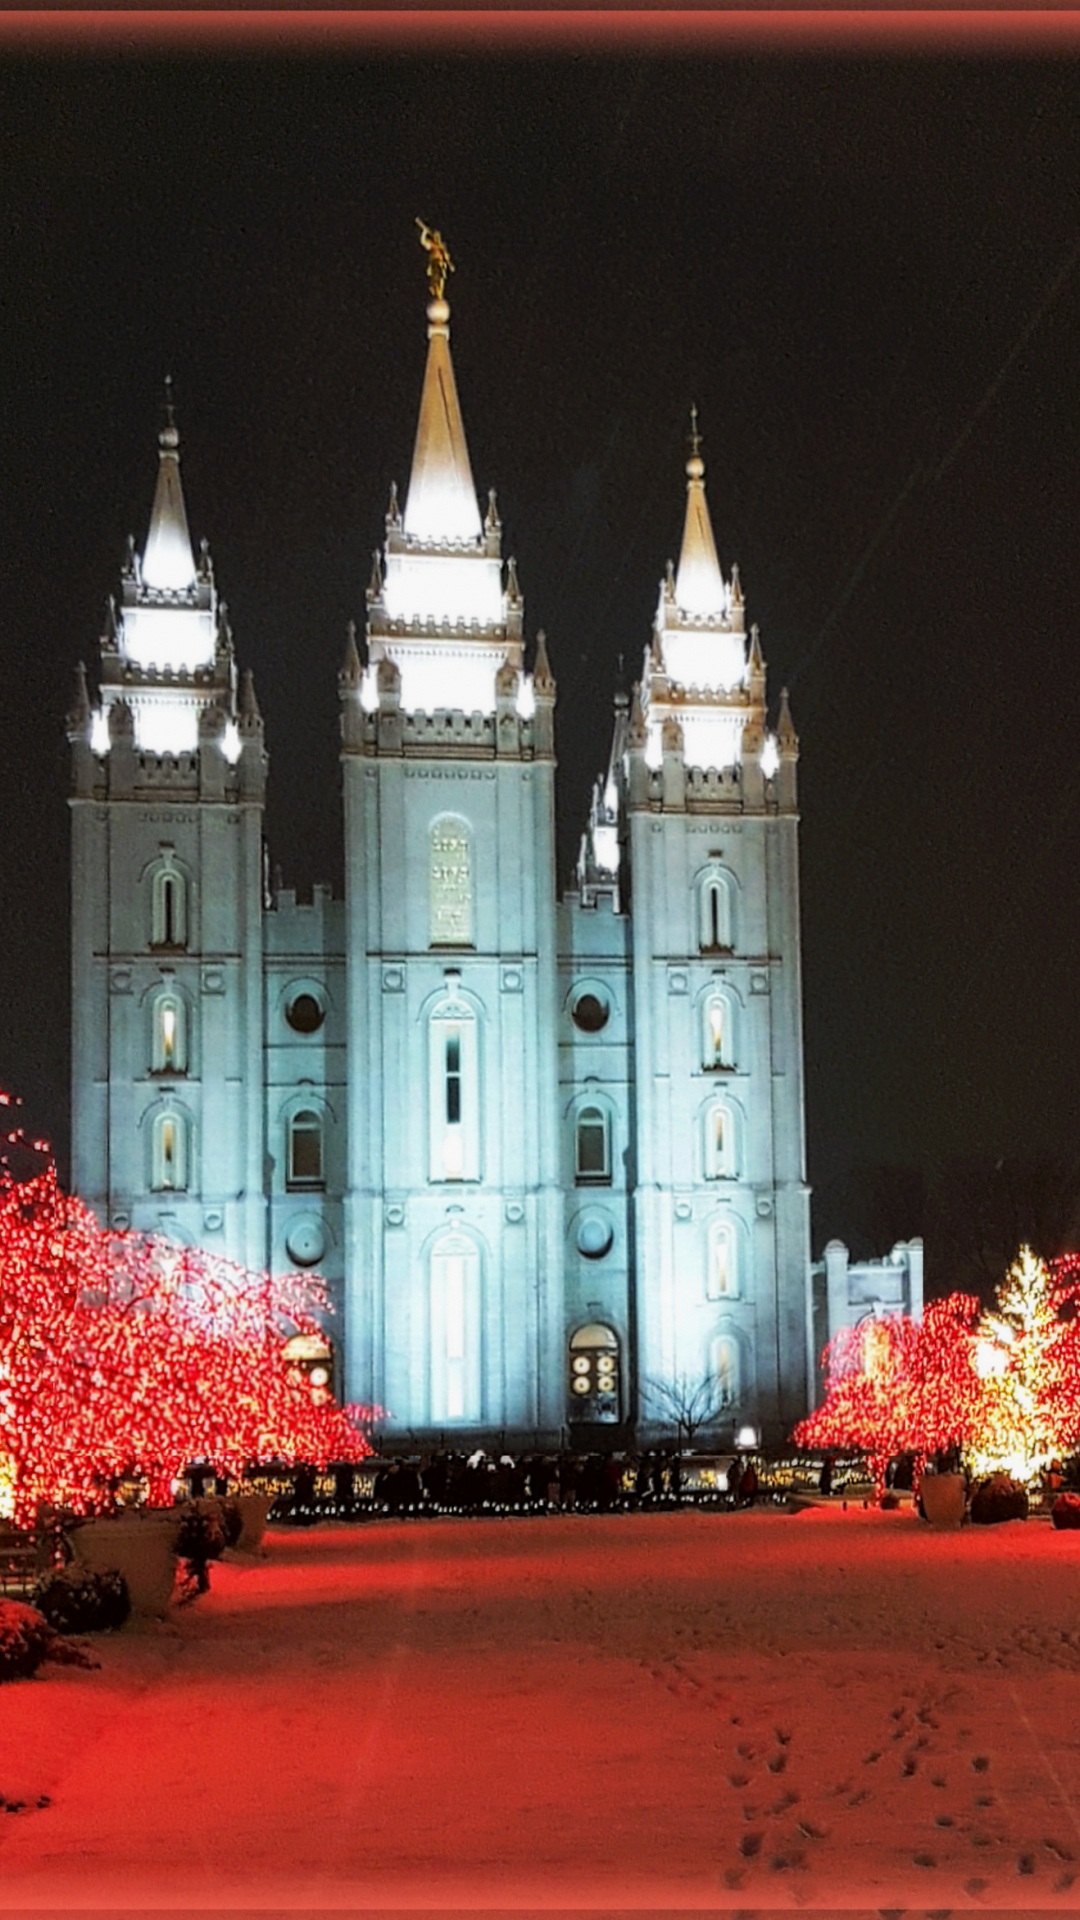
697, 672
699, 584
168, 564
438, 608
441, 503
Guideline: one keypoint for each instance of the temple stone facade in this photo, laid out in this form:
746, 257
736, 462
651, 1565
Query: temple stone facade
546, 1152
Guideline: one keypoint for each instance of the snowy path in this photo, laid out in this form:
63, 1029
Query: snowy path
752, 1711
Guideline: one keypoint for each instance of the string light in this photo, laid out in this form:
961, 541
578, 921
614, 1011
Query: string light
121, 1355
1001, 1388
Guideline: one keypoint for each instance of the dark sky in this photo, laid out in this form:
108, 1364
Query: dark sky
866, 273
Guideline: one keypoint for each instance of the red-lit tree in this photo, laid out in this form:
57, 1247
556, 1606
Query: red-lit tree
897, 1385
121, 1353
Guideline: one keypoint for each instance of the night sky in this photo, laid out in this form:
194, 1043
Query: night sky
864, 270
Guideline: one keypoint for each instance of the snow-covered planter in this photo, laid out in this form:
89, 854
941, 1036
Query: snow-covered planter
25, 1640
141, 1547
254, 1509
943, 1496
74, 1600
1065, 1511
999, 1498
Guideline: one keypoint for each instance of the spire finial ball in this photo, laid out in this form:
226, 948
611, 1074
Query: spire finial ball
168, 439
438, 312
695, 467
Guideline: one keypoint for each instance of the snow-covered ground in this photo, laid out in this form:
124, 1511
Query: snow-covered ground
751, 1711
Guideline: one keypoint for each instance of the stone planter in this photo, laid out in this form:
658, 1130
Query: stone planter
254, 1508
943, 1496
142, 1549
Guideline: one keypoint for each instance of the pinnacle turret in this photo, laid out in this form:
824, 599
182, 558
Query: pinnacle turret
352, 671
80, 717
786, 737
543, 678
251, 719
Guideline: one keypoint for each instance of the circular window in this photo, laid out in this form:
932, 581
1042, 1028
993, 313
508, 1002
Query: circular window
304, 1014
305, 1242
590, 1013
594, 1235
580, 1384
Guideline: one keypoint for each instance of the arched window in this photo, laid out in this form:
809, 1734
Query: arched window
721, 1270
168, 1043
717, 1036
168, 907
720, 1159
305, 1150
453, 1094
592, 1147
725, 1368
455, 1329
450, 883
169, 1143
715, 916
593, 1383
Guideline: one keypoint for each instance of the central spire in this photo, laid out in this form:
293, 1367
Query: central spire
699, 585
441, 504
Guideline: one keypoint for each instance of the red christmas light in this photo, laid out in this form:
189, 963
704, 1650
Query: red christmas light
1001, 1387
897, 1385
122, 1354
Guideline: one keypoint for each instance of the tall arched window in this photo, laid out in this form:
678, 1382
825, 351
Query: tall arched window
169, 916
592, 1147
455, 1329
716, 930
726, 1369
169, 1053
450, 883
717, 1035
453, 1094
720, 1157
305, 1149
721, 1268
169, 1148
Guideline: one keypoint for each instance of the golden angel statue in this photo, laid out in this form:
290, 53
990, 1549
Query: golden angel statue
439, 261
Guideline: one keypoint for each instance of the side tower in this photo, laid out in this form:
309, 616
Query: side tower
169, 777
453, 1210
721, 1206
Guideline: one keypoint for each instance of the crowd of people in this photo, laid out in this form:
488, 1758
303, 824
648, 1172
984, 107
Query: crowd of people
529, 1483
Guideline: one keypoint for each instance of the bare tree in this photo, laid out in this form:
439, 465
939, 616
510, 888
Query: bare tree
687, 1402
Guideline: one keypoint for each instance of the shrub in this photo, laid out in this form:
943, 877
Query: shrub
999, 1498
1065, 1511
232, 1521
76, 1600
889, 1502
202, 1538
25, 1640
